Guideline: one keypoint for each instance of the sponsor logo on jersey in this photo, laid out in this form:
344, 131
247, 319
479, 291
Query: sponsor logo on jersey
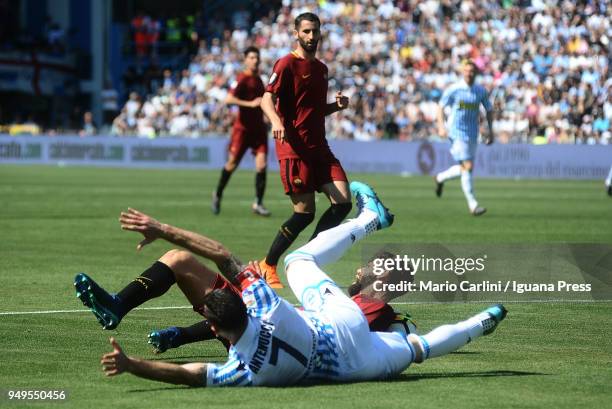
471, 106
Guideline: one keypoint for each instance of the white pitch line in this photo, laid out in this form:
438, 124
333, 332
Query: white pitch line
73, 311
184, 307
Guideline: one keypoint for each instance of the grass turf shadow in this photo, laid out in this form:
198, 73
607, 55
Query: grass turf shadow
400, 378
485, 374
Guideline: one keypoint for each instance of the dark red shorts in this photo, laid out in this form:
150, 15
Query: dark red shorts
242, 140
379, 314
309, 175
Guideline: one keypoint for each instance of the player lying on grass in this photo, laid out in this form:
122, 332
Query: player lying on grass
273, 343
155, 281
374, 305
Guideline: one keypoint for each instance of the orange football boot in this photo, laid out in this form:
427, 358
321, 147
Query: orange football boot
270, 275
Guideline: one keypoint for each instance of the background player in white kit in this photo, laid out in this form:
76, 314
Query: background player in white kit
609, 182
273, 343
464, 99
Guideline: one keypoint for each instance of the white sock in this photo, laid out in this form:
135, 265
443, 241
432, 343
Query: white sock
451, 173
448, 338
330, 245
468, 190
609, 178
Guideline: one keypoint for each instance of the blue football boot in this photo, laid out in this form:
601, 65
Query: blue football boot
366, 199
104, 305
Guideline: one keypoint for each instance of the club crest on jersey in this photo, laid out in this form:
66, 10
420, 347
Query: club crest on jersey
249, 299
272, 79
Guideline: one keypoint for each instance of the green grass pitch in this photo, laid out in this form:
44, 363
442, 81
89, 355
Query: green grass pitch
56, 222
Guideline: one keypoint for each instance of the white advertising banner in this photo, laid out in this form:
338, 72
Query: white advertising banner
409, 158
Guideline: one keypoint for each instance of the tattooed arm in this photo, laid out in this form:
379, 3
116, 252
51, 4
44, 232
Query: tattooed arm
228, 264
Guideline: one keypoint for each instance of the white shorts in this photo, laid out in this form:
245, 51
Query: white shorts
463, 150
319, 294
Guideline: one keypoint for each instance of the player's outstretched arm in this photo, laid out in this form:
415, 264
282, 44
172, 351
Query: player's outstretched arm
151, 229
117, 362
340, 104
441, 125
489, 138
232, 100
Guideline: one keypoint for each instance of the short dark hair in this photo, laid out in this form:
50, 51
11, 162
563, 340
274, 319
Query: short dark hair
306, 16
224, 309
251, 49
472, 63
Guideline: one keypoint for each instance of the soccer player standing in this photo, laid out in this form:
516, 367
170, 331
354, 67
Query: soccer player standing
249, 131
464, 98
609, 182
295, 101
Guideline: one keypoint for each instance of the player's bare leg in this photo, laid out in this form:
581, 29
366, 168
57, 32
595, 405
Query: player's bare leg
176, 266
303, 214
468, 190
229, 168
339, 197
258, 208
609, 182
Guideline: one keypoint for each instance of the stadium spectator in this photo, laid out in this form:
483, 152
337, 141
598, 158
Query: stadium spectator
546, 66
89, 127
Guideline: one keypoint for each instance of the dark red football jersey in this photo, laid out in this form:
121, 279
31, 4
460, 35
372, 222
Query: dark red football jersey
378, 313
248, 87
301, 89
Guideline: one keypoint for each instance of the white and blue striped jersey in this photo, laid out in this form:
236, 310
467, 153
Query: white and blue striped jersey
280, 346
464, 102
283, 345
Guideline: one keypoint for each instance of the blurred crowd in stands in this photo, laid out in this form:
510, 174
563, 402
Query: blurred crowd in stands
545, 64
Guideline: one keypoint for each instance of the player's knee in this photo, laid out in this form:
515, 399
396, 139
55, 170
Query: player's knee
342, 209
177, 260
296, 255
467, 165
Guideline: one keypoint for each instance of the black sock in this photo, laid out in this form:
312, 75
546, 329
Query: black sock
223, 179
332, 217
197, 332
200, 331
260, 185
287, 234
152, 283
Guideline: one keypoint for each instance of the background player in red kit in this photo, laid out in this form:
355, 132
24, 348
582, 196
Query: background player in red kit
249, 131
295, 101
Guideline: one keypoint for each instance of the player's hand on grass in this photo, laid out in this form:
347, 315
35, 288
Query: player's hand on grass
278, 132
116, 362
134, 220
341, 100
